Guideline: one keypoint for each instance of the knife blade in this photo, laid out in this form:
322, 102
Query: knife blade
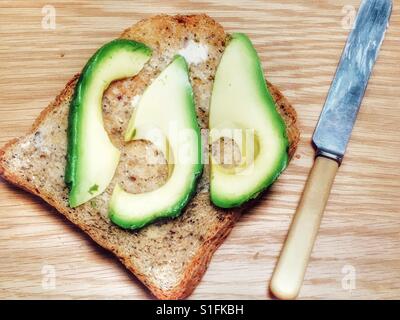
330, 138
339, 113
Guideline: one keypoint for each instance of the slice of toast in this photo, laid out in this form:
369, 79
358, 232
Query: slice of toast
169, 256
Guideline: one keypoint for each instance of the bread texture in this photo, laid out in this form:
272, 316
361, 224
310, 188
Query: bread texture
169, 256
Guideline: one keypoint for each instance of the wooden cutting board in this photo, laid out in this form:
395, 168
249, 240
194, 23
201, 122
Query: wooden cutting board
357, 253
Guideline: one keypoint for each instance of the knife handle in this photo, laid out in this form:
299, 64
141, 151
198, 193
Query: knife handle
289, 272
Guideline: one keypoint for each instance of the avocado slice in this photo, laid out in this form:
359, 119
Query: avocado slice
92, 158
166, 117
243, 111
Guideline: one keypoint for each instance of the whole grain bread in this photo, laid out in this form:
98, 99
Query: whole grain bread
169, 256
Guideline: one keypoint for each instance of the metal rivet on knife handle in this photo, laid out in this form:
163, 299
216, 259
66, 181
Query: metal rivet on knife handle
330, 138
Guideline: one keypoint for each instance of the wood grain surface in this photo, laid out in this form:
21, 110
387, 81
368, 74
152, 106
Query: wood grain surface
357, 253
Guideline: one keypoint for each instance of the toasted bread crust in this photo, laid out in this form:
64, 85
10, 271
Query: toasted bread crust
195, 268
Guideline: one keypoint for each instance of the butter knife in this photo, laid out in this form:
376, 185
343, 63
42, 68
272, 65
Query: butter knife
330, 139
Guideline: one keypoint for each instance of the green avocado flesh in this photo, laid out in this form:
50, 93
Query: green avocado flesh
92, 158
166, 117
243, 111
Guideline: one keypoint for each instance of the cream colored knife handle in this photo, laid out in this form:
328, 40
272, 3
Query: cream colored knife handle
289, 272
